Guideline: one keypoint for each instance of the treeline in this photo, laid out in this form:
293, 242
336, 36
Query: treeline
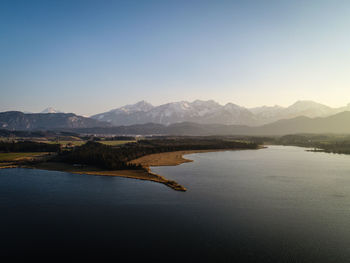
114, 158
97, 154
337, 147
133, 151
191, 143
327, 143
28, 146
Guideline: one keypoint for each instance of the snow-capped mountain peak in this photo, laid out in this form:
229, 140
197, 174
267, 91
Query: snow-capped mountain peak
197, 111
50, 110
211, 112
131, 108
265, 108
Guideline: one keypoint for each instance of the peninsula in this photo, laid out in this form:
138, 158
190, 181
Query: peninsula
130, 160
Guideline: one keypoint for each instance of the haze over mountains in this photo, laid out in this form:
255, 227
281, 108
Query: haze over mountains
211, 112
190, 118
15, 120
338, 123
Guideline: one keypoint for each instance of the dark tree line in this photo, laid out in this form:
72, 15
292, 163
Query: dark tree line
97, 154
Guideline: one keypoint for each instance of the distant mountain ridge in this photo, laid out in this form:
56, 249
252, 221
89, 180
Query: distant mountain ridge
338, 124
15, 120
211, 112
205, 112
185, 118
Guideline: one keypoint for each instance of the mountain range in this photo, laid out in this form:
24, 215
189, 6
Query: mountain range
211, 112
338, 124
190, 118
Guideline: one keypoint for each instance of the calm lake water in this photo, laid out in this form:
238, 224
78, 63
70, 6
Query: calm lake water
280, 204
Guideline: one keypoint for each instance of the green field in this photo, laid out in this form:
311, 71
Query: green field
114, 143
79, 143
6, 157
64, 143
75, 143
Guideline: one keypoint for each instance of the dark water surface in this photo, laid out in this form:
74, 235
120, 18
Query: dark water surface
280, 204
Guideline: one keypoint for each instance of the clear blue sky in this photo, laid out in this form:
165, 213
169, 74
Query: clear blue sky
91, 56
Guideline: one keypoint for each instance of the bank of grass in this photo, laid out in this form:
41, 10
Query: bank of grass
115, 142
67, 143
12, 160
81, 142
10, 157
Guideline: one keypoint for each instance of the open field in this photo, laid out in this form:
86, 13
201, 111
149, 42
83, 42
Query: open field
8, 157
65, 143
12, 160
81, 142
115, 143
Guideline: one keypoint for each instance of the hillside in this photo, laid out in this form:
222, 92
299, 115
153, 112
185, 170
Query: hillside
15, 120
338, 123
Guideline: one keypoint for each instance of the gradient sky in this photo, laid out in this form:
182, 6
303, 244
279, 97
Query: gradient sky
91, 56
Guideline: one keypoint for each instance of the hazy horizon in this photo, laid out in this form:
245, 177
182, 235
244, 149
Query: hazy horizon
89, 57
191, 101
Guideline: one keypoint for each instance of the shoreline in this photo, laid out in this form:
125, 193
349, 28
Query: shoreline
157, 159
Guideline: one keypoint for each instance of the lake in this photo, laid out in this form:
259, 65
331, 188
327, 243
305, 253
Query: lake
280, 204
